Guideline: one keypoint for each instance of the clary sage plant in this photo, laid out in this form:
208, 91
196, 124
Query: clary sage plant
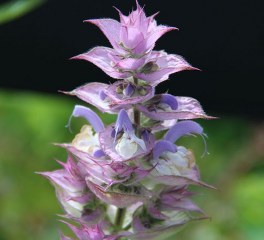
121, 181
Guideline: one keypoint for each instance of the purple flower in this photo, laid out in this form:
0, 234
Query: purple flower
135, 35
130, 179
121, 143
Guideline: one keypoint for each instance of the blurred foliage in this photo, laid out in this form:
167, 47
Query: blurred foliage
29, 123
13, 9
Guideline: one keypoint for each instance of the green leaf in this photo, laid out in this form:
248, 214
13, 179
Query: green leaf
17, 8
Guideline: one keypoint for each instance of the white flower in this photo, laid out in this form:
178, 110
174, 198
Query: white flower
86, 140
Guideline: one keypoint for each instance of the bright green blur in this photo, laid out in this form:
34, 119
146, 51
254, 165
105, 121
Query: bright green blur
14, 9
30, 123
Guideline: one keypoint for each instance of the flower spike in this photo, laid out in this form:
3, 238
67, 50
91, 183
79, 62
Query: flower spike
129, 180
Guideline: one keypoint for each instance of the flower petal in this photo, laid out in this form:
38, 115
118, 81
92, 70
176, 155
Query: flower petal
104, 58
108, 145
90, 93
188, 108
163, 146
173, 180
90, 116
110, 28
183, 128
120, 198
148, 43
167, 64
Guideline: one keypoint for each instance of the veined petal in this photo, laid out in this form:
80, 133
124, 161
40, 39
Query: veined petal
90, 116
183, 128
173, 180
130, 36
149, 41
93, 232
106, 59
146, 228
111, 29
188, 108
92, 94
167, 64
123, 197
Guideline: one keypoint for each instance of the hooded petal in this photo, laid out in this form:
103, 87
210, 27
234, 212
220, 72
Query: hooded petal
89, 115
183, 128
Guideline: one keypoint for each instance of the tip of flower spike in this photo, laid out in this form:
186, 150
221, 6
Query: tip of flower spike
71, 93
78, 57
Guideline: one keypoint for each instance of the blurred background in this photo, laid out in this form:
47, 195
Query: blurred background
223, 38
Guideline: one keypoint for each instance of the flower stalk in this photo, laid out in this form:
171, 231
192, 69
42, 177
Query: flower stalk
120, 181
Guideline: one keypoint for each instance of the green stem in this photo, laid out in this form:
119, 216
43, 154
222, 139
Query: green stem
119, 219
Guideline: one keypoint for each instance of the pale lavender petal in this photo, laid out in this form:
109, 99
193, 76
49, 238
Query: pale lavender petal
183, 128
92, 94
184, 204
87, 233
131, 64
90, 116
148, 43
172, 180
104, 58
163, 146
78, 153
110, 28
148, 231
188, 108
173, 64
118, 198
130, 36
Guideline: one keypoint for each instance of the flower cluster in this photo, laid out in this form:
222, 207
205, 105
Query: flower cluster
122, 181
